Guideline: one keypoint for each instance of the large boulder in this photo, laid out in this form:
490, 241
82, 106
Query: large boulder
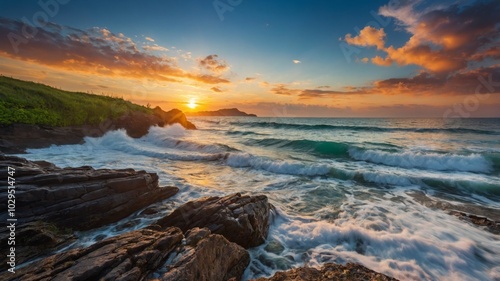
146, 254
171, 117
137, 124
241, 219
328, 272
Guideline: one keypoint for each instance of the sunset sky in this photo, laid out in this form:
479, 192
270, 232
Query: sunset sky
273, 58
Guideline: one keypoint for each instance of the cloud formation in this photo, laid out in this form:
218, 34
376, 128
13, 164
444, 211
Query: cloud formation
95, 51
368, 36
296, 61
216, 89
457, 47
213, 64
155, 47
286, 90
444, 39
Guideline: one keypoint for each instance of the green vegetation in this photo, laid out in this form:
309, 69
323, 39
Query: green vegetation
37, 104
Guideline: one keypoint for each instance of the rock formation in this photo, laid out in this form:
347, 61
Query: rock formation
16, 138
329, 272
51, 201
241, 219
145, 254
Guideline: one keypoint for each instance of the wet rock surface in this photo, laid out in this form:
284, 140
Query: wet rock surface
79, 198
241, 219
52, 202
130, 256
329, 272
205, 256
145, 254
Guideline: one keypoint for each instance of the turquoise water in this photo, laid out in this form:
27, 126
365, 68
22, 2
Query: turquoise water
344, 189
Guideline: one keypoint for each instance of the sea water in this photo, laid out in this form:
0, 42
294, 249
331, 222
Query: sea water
345, 190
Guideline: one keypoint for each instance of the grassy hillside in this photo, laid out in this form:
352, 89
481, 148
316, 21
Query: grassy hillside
32, 103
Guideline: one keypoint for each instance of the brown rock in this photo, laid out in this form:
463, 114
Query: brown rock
207, 257
328, 272
74, 198
130, 256
171, 117
144, 254
80, 198
16, 138
241, 219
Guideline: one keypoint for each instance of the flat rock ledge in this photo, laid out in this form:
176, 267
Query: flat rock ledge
241, 219
328, 272
52, 202
146, 254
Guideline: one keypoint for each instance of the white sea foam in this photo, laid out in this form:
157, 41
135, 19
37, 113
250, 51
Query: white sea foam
174, 137
381, 228
406, 241
431, 161
276, 166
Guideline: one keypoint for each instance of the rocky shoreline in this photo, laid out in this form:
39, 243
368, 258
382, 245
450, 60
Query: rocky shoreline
204, 239
16, 138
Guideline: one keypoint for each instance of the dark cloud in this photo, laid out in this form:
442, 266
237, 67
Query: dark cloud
444, 39
216, 89
462, 83
318, 93
282, 89
214, 64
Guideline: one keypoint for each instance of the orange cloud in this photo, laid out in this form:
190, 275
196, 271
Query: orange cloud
214, 64
95, 51
380, 61
368, 36
217, 90
444, 39
282, 89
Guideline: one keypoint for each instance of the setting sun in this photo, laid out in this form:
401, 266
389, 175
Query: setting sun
192, 103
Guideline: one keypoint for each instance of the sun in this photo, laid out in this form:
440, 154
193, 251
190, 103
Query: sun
192, 103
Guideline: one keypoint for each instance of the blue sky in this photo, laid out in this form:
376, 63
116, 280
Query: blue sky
262, 39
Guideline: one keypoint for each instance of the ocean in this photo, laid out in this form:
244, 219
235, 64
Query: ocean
373, 191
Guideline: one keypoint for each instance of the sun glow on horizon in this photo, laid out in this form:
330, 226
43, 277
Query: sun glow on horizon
192, 103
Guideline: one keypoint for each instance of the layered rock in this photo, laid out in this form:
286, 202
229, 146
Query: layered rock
145, 254
206, 257
241, 219
80, 198
16, 138
329, 272
72, 198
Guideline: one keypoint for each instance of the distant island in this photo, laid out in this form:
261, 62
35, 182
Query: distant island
221, 112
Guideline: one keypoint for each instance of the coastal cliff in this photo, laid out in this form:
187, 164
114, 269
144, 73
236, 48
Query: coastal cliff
34, 115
